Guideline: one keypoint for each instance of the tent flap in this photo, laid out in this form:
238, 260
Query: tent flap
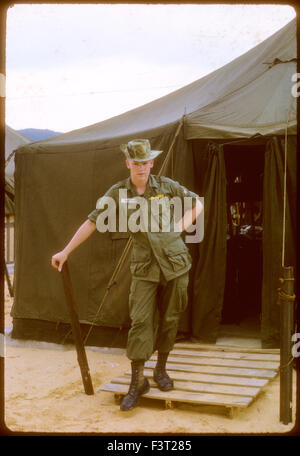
273, 231
210, 271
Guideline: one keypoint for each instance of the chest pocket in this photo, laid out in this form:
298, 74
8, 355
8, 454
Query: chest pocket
178, 256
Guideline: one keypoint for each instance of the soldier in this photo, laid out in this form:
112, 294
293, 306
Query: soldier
160, 264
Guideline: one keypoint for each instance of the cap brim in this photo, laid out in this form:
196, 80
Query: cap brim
153, 154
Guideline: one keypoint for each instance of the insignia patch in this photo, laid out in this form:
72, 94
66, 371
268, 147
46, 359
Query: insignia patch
157, 196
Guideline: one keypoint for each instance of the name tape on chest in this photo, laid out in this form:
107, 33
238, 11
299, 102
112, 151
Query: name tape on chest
129, 200
134, 200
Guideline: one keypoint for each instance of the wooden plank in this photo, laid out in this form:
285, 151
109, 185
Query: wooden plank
228, 348
199, 387
208, 378
218, 370
182, 396
209, 374
221, 362
231, 355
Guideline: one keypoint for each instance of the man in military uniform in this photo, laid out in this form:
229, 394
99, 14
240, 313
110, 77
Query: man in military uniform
160, 262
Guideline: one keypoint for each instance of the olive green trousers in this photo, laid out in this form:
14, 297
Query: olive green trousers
155, 310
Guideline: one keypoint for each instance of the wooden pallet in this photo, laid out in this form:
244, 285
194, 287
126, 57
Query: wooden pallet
230, 377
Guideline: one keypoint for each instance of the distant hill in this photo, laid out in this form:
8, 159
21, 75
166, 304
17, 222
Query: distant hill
36, 134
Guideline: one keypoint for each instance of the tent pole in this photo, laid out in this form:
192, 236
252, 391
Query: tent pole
286, 299
284, 187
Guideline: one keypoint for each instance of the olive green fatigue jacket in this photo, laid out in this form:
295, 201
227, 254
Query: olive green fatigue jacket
154, 251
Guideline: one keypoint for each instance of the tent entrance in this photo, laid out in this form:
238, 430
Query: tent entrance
241, 312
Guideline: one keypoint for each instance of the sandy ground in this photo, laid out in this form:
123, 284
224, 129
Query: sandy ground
44, 393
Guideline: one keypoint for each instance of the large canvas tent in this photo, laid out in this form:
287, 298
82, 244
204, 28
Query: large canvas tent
241, 113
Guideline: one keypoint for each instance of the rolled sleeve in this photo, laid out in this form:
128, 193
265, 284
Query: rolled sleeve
93, 215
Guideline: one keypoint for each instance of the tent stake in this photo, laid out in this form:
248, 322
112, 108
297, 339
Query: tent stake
286, 301
72, 308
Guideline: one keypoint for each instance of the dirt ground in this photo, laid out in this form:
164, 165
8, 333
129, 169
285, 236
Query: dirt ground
44, 393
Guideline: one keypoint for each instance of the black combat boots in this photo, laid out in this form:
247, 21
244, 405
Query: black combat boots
160, 375
139, 385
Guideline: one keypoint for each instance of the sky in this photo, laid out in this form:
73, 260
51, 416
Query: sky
70, 66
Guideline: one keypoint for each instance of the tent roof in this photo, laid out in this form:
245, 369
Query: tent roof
261, 107
249, 95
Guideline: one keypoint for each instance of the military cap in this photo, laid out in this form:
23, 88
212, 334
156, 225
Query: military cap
139, 150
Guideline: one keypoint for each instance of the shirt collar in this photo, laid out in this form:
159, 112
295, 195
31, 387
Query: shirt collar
152, 182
